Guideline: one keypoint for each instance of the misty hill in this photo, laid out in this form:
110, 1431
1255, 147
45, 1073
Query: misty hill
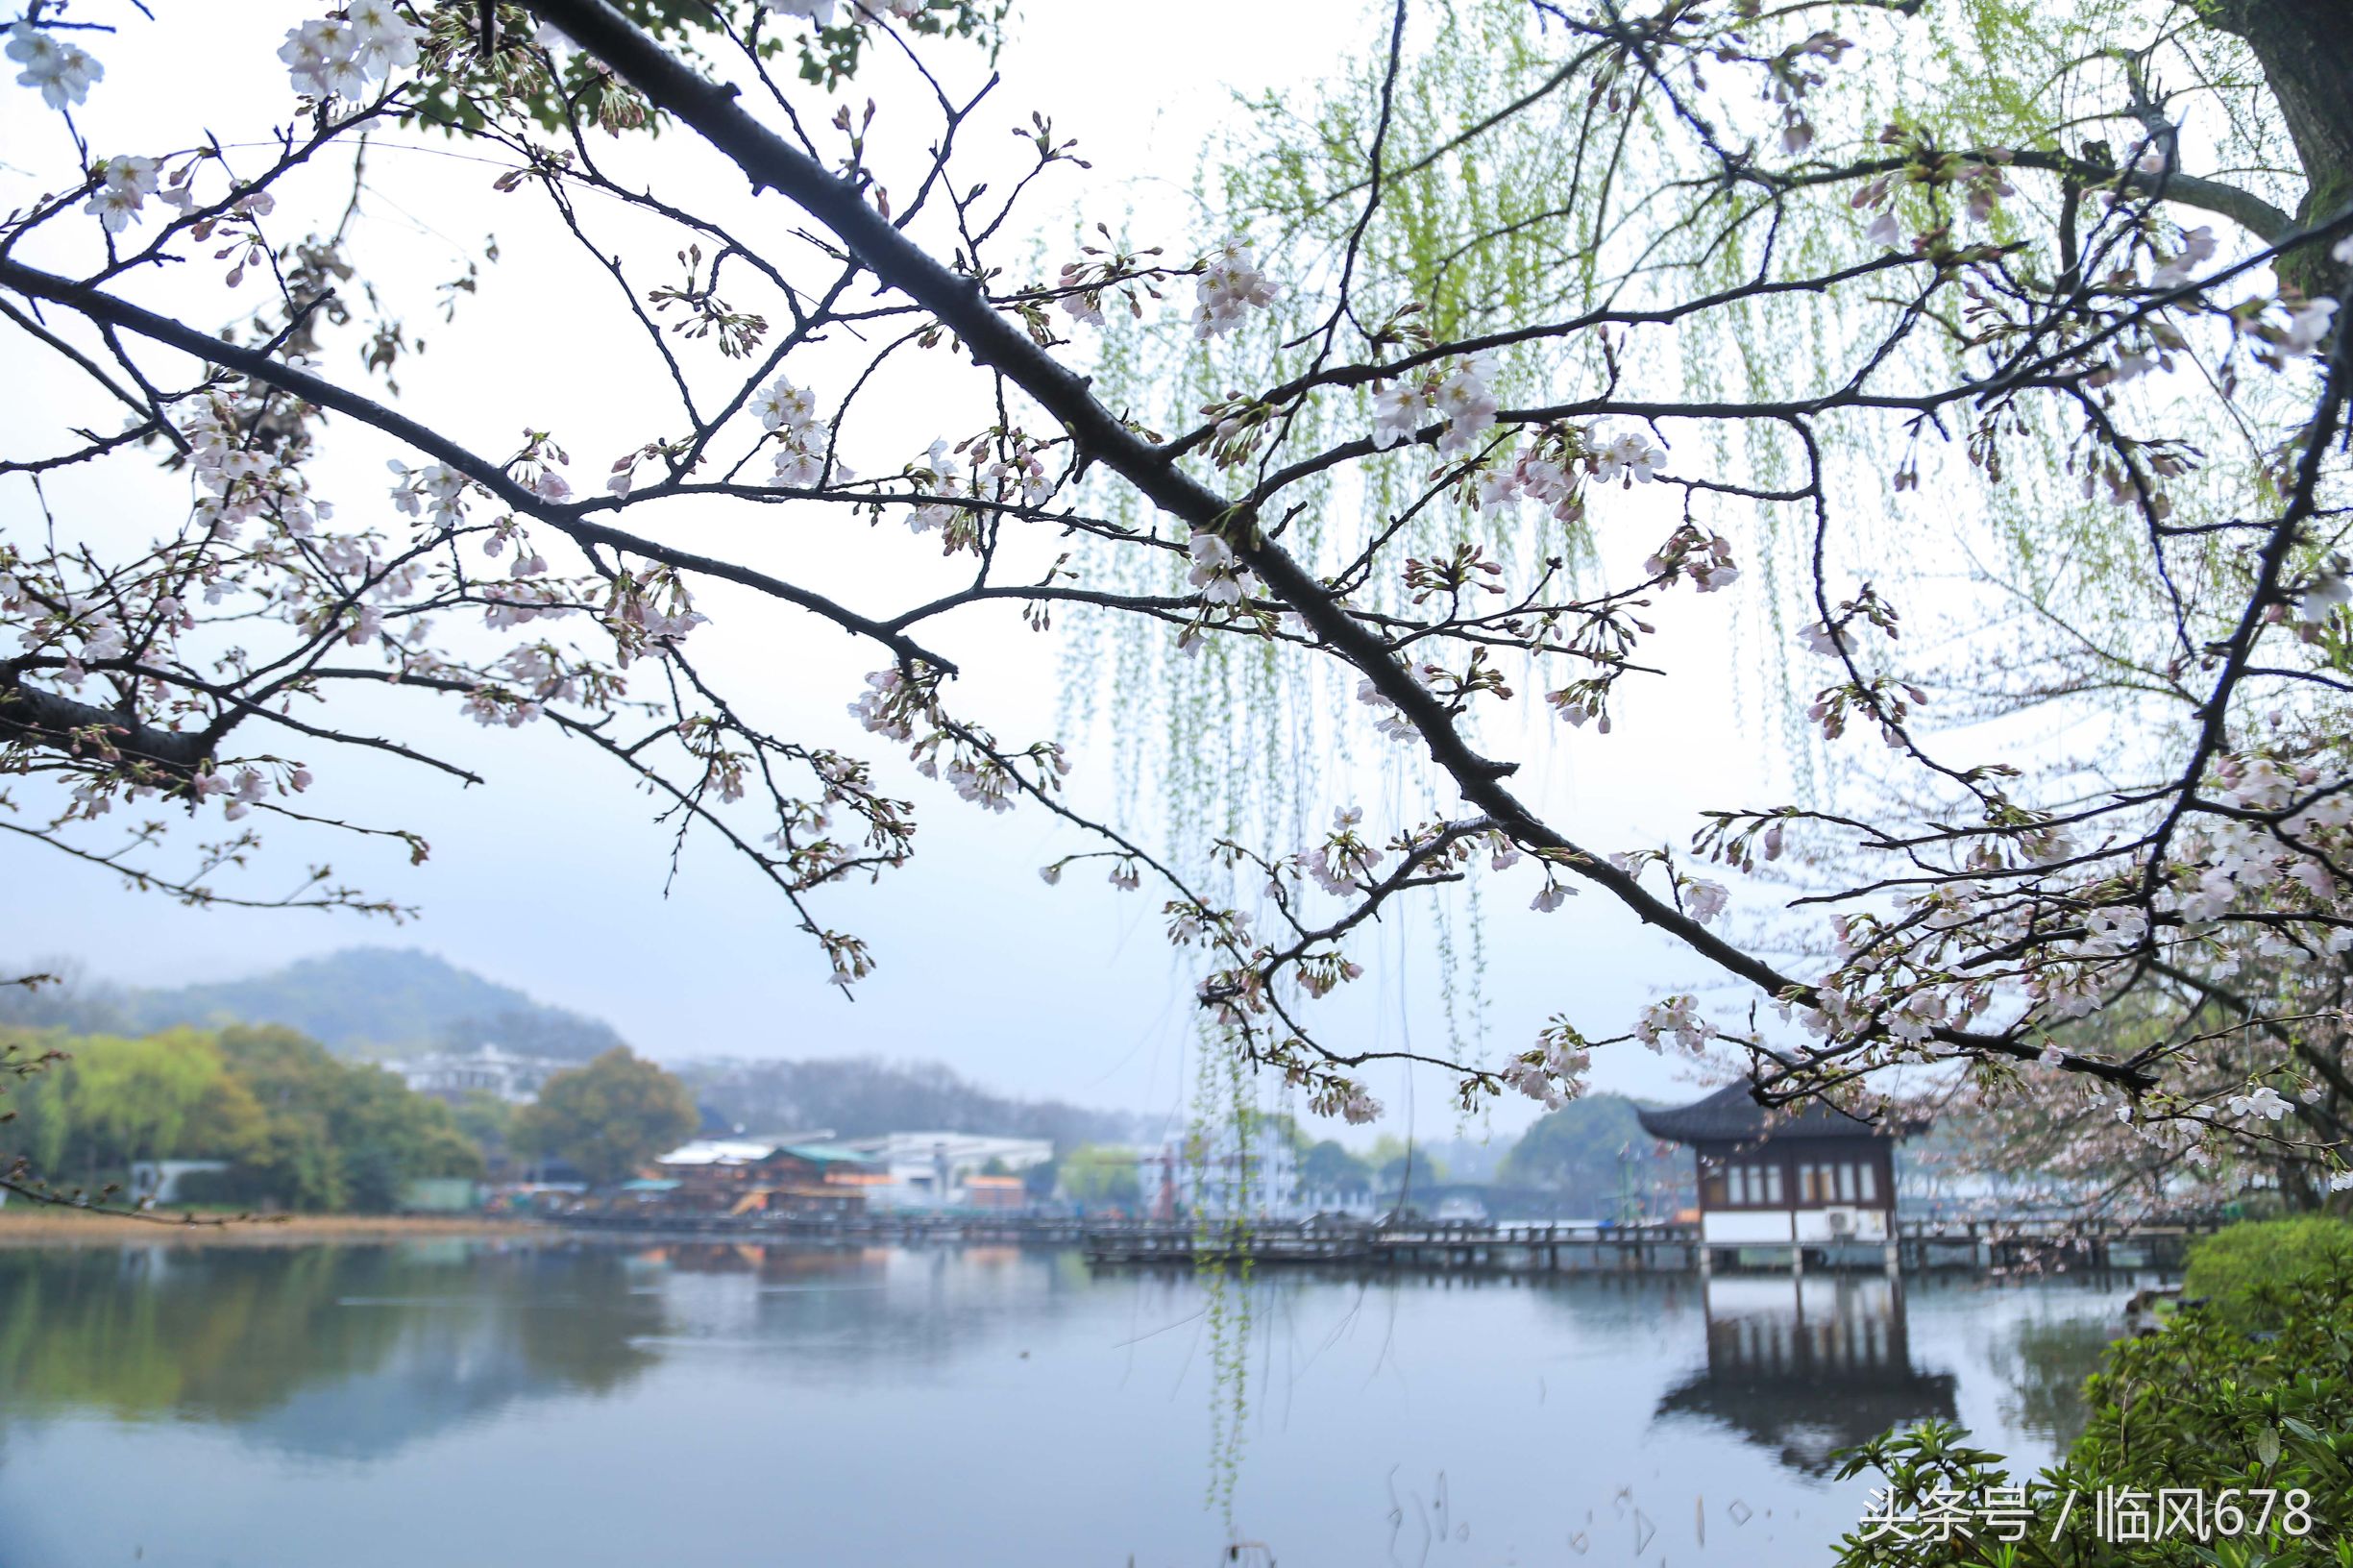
382, 1001
363, 1001
1593, 1150
864, 1096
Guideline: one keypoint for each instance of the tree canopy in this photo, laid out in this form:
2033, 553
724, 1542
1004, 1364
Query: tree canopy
299, 1129
607, 1118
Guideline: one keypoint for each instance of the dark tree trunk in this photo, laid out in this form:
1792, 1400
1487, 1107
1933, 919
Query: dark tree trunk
2306, 49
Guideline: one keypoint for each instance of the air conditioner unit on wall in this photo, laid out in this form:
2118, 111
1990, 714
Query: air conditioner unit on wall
1842, 1221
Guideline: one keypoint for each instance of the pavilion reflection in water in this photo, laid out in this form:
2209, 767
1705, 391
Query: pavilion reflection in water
1805, 1366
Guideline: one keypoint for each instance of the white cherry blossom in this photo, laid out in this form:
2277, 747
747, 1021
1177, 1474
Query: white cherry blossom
125, 183
62, 71
1228, 286
816, 12
1631, 458
1399, 410
2308, 324
2197, 247
2263, 1101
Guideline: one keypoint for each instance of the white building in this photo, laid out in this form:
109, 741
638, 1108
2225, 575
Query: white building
929, 1170
485, 1070
1220, 1173
158, 1181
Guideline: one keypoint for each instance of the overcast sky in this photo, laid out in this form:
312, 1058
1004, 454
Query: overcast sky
552, 877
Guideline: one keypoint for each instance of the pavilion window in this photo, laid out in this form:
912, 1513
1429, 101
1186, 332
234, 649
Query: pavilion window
1771, 1175
1867, 1183
1846, 1183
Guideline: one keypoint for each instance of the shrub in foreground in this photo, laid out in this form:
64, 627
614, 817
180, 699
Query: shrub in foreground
2200, 1436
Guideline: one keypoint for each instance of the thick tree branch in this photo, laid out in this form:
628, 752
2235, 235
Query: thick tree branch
999, 342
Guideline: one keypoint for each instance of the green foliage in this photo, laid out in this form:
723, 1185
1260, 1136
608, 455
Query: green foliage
460, 74
2204, 1405
1328, 1168
2239, 1270
1100, 1174
608, 1117
484, 1118
1576, 1146
1392, 1156
338, 1134
301, 1129
110, 1101
1525, 177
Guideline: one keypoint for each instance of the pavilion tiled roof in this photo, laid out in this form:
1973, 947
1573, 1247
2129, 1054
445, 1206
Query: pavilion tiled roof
1730, 1114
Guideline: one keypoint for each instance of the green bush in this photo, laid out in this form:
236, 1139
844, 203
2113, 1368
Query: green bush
2233, 1267
2203, 1404
301, 1128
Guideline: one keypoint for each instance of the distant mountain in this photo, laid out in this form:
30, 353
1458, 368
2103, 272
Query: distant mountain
864, 1096
383, 1002
363, 1001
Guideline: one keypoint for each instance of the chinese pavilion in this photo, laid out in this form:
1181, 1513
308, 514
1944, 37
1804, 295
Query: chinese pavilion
1811, 1177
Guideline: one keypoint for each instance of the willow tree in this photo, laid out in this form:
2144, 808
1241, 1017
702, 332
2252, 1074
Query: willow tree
1862, 290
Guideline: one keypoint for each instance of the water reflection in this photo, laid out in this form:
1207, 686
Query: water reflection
2044, 1364
379, 1407
335, 1352
352, 1352
1803, 1367
844, 1313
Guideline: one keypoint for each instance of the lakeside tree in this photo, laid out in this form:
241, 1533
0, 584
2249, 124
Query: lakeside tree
607, 1118
335, 1135
1942, 317
110, 1101
1100, 1174
1589, 1152
1326, 1166
299, 1129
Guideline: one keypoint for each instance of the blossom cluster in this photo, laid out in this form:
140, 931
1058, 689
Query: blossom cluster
1461, 395
1676, 1019
1551, 470
1553, 1073
1218, 572
1230, 285
803, 438
60, 69
341, 57
124, 185
1344, 861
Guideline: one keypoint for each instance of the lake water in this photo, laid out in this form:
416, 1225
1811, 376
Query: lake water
453, 1404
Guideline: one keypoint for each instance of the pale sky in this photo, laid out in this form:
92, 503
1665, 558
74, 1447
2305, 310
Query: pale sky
552, 878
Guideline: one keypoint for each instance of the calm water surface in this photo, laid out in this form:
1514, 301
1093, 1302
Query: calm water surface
456, 1403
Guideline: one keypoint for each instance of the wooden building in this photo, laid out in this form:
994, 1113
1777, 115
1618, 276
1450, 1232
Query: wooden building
735, 1176
1795, 1179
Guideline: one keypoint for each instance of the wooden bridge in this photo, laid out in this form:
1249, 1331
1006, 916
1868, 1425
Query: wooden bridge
1998, 1246
2039, 1245
911, 1229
